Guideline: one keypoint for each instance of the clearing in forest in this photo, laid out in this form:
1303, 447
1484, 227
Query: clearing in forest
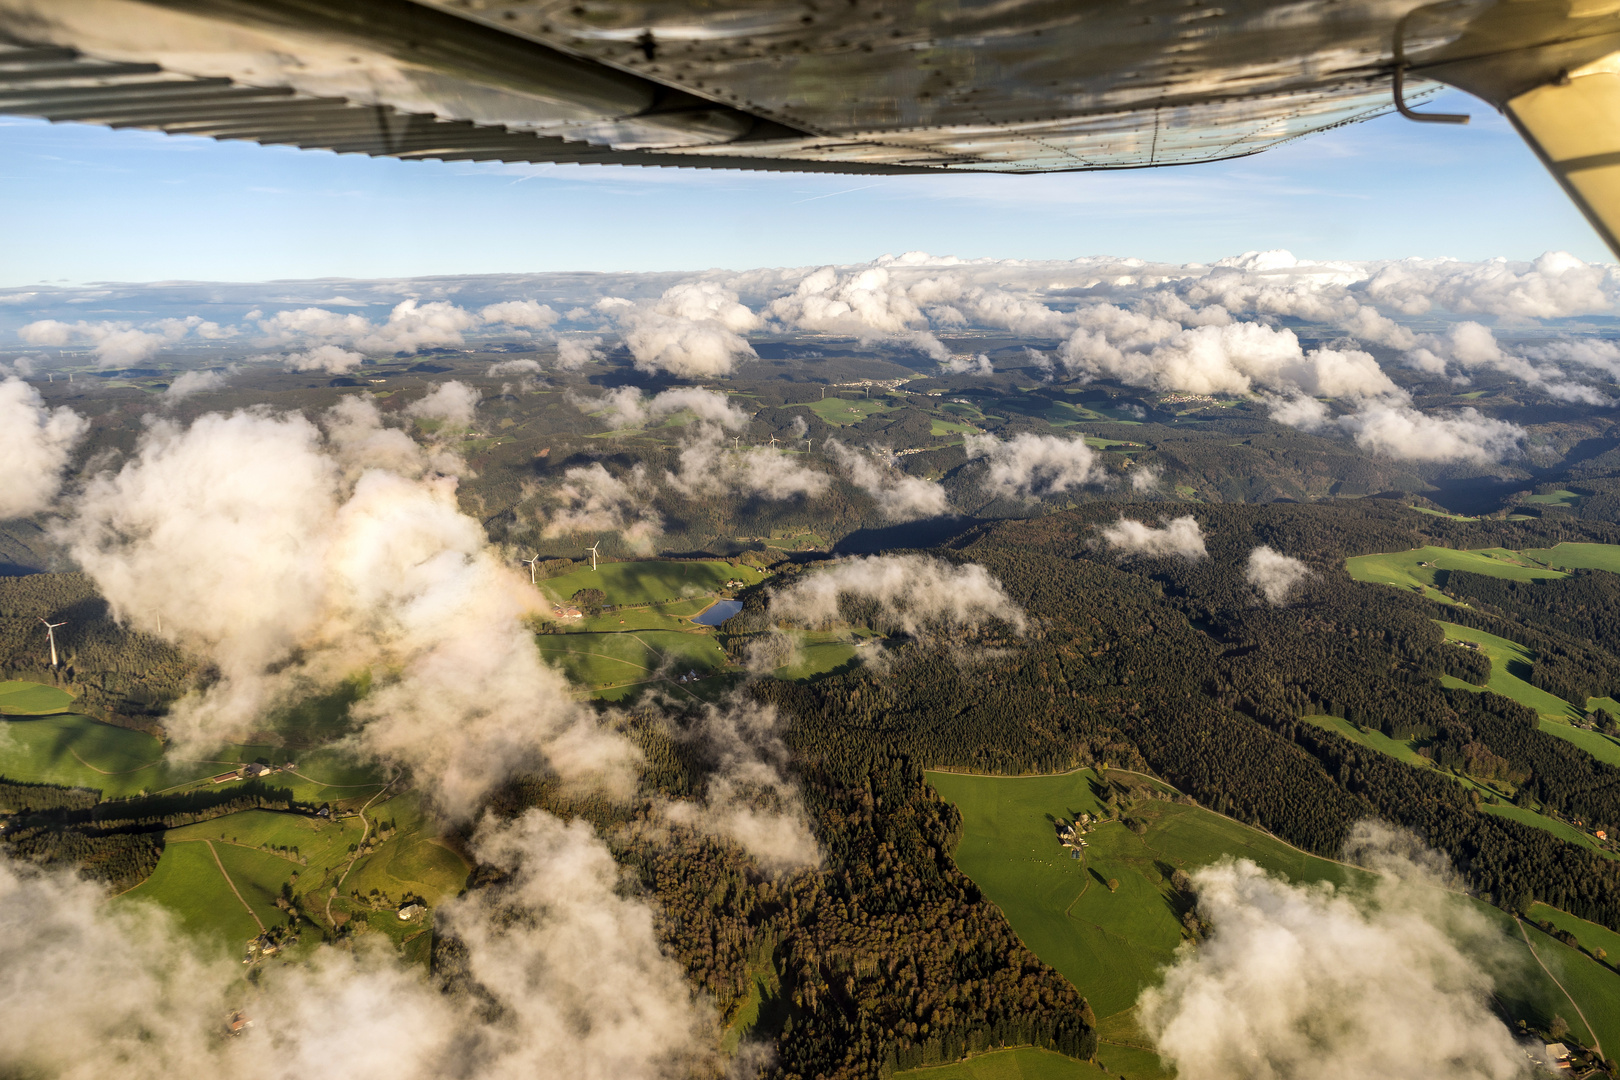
1113, 943
1419, 569
649, 581
21, 698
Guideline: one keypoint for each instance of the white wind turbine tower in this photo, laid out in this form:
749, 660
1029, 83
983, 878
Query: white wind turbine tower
774, 441
736, 442
531, 563
50, 632
592, 550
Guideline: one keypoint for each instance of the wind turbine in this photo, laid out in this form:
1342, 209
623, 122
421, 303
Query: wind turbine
50, 632
530, 563
774, 441
592, 550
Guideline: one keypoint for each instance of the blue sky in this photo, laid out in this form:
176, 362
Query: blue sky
84, 204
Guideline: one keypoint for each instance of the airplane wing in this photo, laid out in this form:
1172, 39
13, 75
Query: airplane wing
850, 86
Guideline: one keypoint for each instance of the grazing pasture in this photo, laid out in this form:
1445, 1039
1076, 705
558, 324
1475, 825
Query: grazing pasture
649, 581
76, 751
1021, 1063
1113, 943
1578, 556
21, 698
1419, 568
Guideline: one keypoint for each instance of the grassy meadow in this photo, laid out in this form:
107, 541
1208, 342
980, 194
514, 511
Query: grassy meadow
76, 751
1578, 556
648, 581
842, 411
1417, 569
1020, 1063
21, 698
262, 851
1112, 944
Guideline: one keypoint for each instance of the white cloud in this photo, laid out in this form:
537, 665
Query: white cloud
35, 444
454, 403
709, 467
526, 313
1029, 466
694, 330
899, 497
1404, 433
1274, 573
121, 344
255, 543
329, 358
1179, 536
188, 383
911, 591
572, 981
627, 407
978, 364
1340, 983
575, 353
592, 500
747, 796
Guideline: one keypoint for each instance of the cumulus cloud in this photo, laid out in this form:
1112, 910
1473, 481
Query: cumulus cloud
1179, 536
976, 364
252, 541
709, 467
1405, 433
628, 407
694, 330
514, 367
575, 353
530, 314
1030, 466
330, 358
570, 976
592, 500
453, 403
188, 383
748, 797
35, 444
1274, 573
911, 592
120, 344
1343, 983
898, 497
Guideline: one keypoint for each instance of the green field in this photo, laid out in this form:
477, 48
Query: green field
188, 883
1113, 944
1402, 569
263, 850
19, 698
76, 751
1020, 1063
649, 581
1510, 661
1578, 556
844, 411
1594, 986
599, 662
1561, 497
940, 428
1373, 740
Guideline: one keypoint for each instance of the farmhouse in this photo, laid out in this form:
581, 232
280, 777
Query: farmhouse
1556, 1055
255, 770
411, 909
224, 776
567, 613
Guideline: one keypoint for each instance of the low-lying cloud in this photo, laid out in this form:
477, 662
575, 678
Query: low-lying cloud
35, 444
1274, 574
898, 497
912, 592
1029, 466
1343, 983
570, 979
1179, 536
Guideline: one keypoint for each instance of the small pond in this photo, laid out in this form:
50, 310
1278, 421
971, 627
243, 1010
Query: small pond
718, 612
